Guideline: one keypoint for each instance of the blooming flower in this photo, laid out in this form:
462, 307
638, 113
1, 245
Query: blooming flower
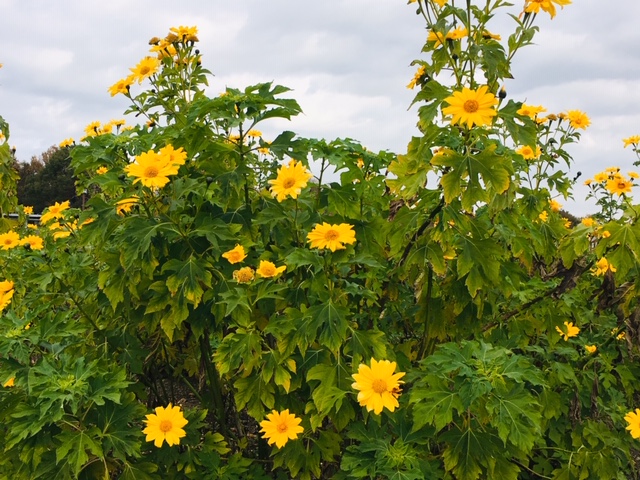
588, 222
35, 242
27, 210
9, 383
9, 240
290, 181
590, 348
254, 133
555, 205
102, 170
244, 275
534, 6
126, 204
544, 216
473, 107
603, 266
144, 69
54, 211
280, 427
185, 33
66, 142
619, 185
417, 77
235, 255
633, 419
572, 331
332, 237
578, 119
527, 152
378, 386
530, 111
165, 425
151, 169
6, 293
268, 269
92, 129
601, 177
633, 175
632, 140
121, 86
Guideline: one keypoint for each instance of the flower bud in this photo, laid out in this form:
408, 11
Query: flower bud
502, 94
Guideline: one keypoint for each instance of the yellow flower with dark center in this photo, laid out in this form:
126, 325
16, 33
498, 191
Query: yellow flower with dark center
578, 119
172, 156
165, 425
332, 237
527, 152
235, 255
280, 427
151, 169
632, 140
54, 211
244, 275
436, 37
633, 420
572, 331
619, 185
121, 86
268, 269
9, 240
92, 129
457, 34
35, 242
534, 6
473, 107
603, 266
144, 69
66, 142
290, 181
530, 111
126, 204
378, 386
590, 348
102, 170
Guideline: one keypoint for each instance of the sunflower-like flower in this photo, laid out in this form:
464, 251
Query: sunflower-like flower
126, 204
530, 111
578, 119
151, 169
34, 241
101, 170
417, 78
6, 293
332, 237
121, 86
165, 425
280, 427
144, 69
93, 129
590, 348
244, 275
268, 269
534, 6
290, 181
572, 331
9, 240
555, 205
473, 107
603, 266
633, 420
619, 185
378, 386
185, 33
171, 155
67, 142
235, 255
632, 140
527, 152
54, 211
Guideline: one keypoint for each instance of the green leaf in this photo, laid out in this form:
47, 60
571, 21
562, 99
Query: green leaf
74, 446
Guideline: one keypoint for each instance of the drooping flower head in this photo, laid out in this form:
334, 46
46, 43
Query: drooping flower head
185, 33
268, 269
530, 111
417, 78
67, 142
633, 420
290, 181
280, 427
9, 240
378, 386
165, 425
571, 331
235, 255
332, 237
473, 107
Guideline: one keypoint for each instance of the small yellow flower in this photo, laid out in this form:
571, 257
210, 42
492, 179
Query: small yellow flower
126, 204
9, 383
572, 331
144, 69
121, 86
588, 181
606, 234
555, 205
378, 386
530, 111
66, 142
417, 77
165, 425
544, 216
268, 269
633, 420
527, 152
54, 211
588, 222
601, 177
578, 119
602, 267
619, 335
102, 170
332, 237
633, 140
9, 240
590, 348
235, 255
633, 175
27, 210
244, 275
254, 133
280, 427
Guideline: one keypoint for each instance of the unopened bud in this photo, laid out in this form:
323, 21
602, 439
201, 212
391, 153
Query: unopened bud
209, 181
502, 94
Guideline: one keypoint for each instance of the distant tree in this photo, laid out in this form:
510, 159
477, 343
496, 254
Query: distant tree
47, 179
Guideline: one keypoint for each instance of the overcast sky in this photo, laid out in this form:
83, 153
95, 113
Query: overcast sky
347, 61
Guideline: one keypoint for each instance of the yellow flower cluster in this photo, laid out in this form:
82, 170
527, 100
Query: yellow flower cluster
577, 119
96, 128
153, 169
613, 181
12, 239
438, 38
266, 269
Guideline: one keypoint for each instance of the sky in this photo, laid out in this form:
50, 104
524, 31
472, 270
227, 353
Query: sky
347, 61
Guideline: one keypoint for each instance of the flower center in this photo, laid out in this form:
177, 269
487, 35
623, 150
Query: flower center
165, 425
621, 185
331, 235
151, 172
379, 386
268, 270
282, 427
144, 70
471, 106
289, 182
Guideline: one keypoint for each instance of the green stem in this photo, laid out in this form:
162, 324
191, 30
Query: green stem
215, 385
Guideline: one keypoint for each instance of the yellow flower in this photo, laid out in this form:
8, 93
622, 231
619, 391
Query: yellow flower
544, 216
527, 152
590, 348
473, 107
244, 275
487, 35
632, 140
268, 269
603, 266
126, 204
601, 177
27, 210
588, 181
66, 142
121, 86
633, 175
9, 383
588, 222
578, 119
280, 427
235, 255
534, 6
530, 111
572, 331
185, 33
457, 34
378, 386
555, 205
102, 170
6, 293
417, 77
172, 156
332, 237
633, 419
254, 133
441, 3
54, 211
144, 69
35, 242
165, 425
619, 185
6, 285
290, 181
151, 169
92, 129
9, 240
